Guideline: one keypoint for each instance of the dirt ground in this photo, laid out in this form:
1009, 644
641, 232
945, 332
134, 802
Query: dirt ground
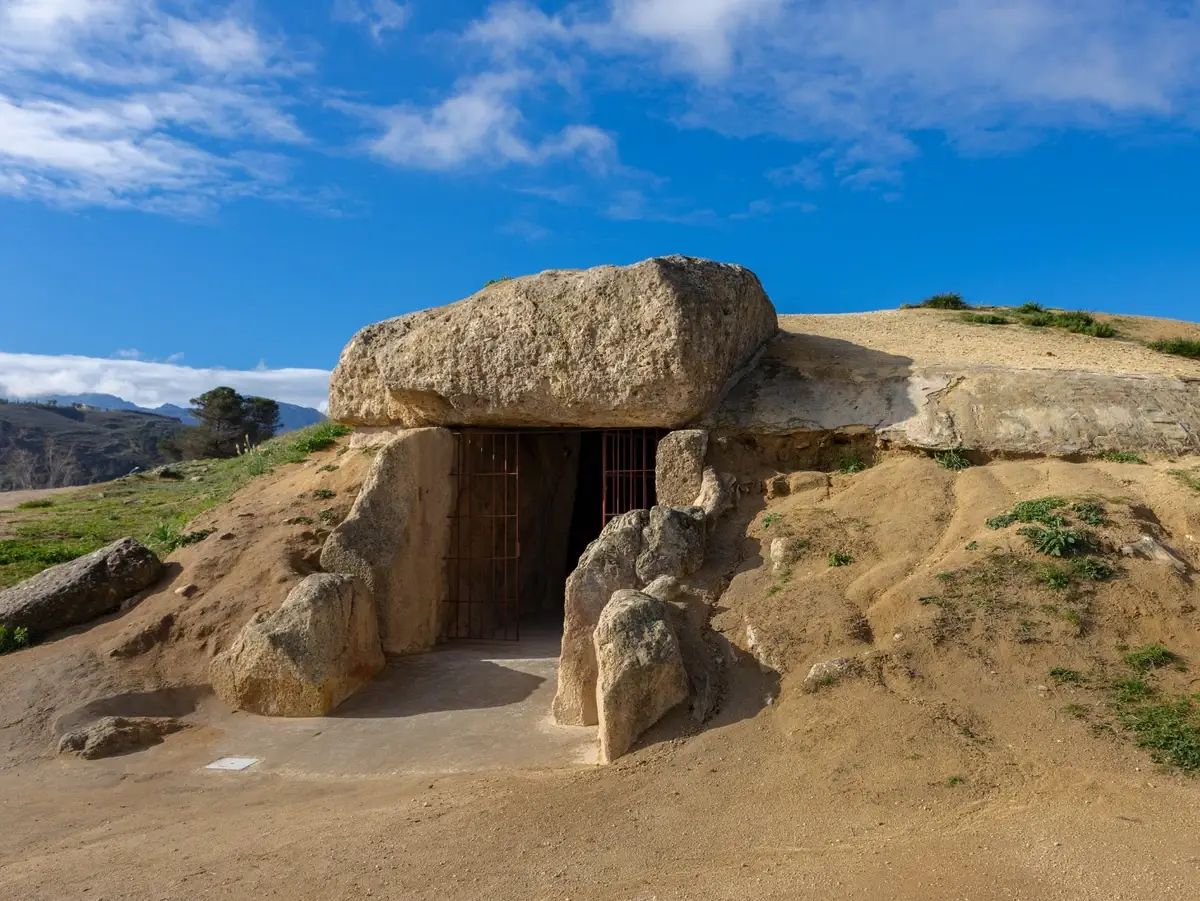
10, 500
950, 767
932, 337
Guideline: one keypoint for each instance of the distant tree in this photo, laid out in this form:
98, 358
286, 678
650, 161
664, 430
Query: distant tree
228, 422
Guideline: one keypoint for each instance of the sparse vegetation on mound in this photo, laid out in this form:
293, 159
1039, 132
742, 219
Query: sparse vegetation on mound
1177, 347
1122, 457
985, 318
1035, 315
954, 460
153, 509
947, 301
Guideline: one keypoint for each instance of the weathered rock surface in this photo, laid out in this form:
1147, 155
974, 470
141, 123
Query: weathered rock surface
608, 565
395, 537
78, 592
807, 383
308, 656
679, 467
641, 675
143, 639
717, 494
113, 735
830, 671
674, 543
653, 344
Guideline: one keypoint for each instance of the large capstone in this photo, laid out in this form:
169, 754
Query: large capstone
653, 344
308, 656
641, 675
78, 592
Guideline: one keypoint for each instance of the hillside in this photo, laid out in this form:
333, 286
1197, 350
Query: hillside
45, 446
291, 416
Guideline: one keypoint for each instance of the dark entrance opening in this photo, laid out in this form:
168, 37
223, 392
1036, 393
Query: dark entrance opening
528, 504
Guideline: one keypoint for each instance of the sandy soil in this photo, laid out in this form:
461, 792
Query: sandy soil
930, 337
951, 769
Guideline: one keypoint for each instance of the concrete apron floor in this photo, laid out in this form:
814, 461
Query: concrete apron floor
464, 707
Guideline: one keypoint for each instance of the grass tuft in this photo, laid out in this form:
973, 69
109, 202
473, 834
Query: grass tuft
984, 318
1062, 675
14, 639
1150, 657
840, 558
953, 460
1178, 347
1121, 457
39, 504
851, 465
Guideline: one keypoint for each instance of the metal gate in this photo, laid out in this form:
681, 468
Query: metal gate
483, 578
483, 568
629, 460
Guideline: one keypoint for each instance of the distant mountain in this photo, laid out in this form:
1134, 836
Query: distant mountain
52, 447
291, 416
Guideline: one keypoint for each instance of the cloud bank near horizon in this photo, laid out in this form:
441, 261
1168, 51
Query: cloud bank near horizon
150, 384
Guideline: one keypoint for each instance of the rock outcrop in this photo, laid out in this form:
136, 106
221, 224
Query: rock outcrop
113, 735
78, 592
674, 543
641, 675
649, 345
394, 538
308, 656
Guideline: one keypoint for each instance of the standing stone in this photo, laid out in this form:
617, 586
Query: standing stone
640, 670
80, 591
609, 564
679, 467
649, 345
308, 656
674, 539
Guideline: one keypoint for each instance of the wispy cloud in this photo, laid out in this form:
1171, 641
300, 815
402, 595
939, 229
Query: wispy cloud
122, 103
151, 384
379, 16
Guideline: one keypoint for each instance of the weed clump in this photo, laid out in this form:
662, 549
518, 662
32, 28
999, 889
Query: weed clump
324, 493
1121, 457
770, 519
1062, 675
1178, 347
1056, 541
1150, 657
167, 538
984, 318
1041, 511
14, 639
851, 465
38, 504
1171, 731
946, 301
953, 460
840, 558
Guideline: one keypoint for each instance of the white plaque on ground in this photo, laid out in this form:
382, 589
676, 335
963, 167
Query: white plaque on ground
232, 763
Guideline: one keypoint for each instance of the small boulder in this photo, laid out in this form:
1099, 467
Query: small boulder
716, 494
113, 735
1150, 549
641, 675
674, 539
78, 592
316, 650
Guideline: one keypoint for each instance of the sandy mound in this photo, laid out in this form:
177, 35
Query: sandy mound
263, 542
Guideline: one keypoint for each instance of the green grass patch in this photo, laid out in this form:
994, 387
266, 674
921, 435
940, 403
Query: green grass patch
1150, 657
1054, 578
1121, 457
1092, 568
984, 318
324, 493
770, 519
1063, 676
1091, 512
39, 504
155, 511
1057, 541
1077, 321
1131, 691
1041, 511
1177, 347
840, 558
1170, 730
954, 460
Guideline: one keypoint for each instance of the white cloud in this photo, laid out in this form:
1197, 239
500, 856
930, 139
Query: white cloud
378, 15
152, 384
480, 123
120, 103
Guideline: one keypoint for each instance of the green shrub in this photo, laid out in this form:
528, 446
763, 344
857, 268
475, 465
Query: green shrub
321, 437
324, 493
167, 538
1076, 321
840, 558
1031, 307
1170, 730
1179, 347
851, 465
770, 519
14, 639
984, 319
954, 460
947, 301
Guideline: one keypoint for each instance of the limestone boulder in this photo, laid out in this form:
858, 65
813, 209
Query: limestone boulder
608, 565
653, 344
316, 650
78, 592
641, 675
718, 494
674, 543
113, 735
679, 466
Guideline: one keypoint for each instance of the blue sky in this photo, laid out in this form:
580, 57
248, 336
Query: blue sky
188, 184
